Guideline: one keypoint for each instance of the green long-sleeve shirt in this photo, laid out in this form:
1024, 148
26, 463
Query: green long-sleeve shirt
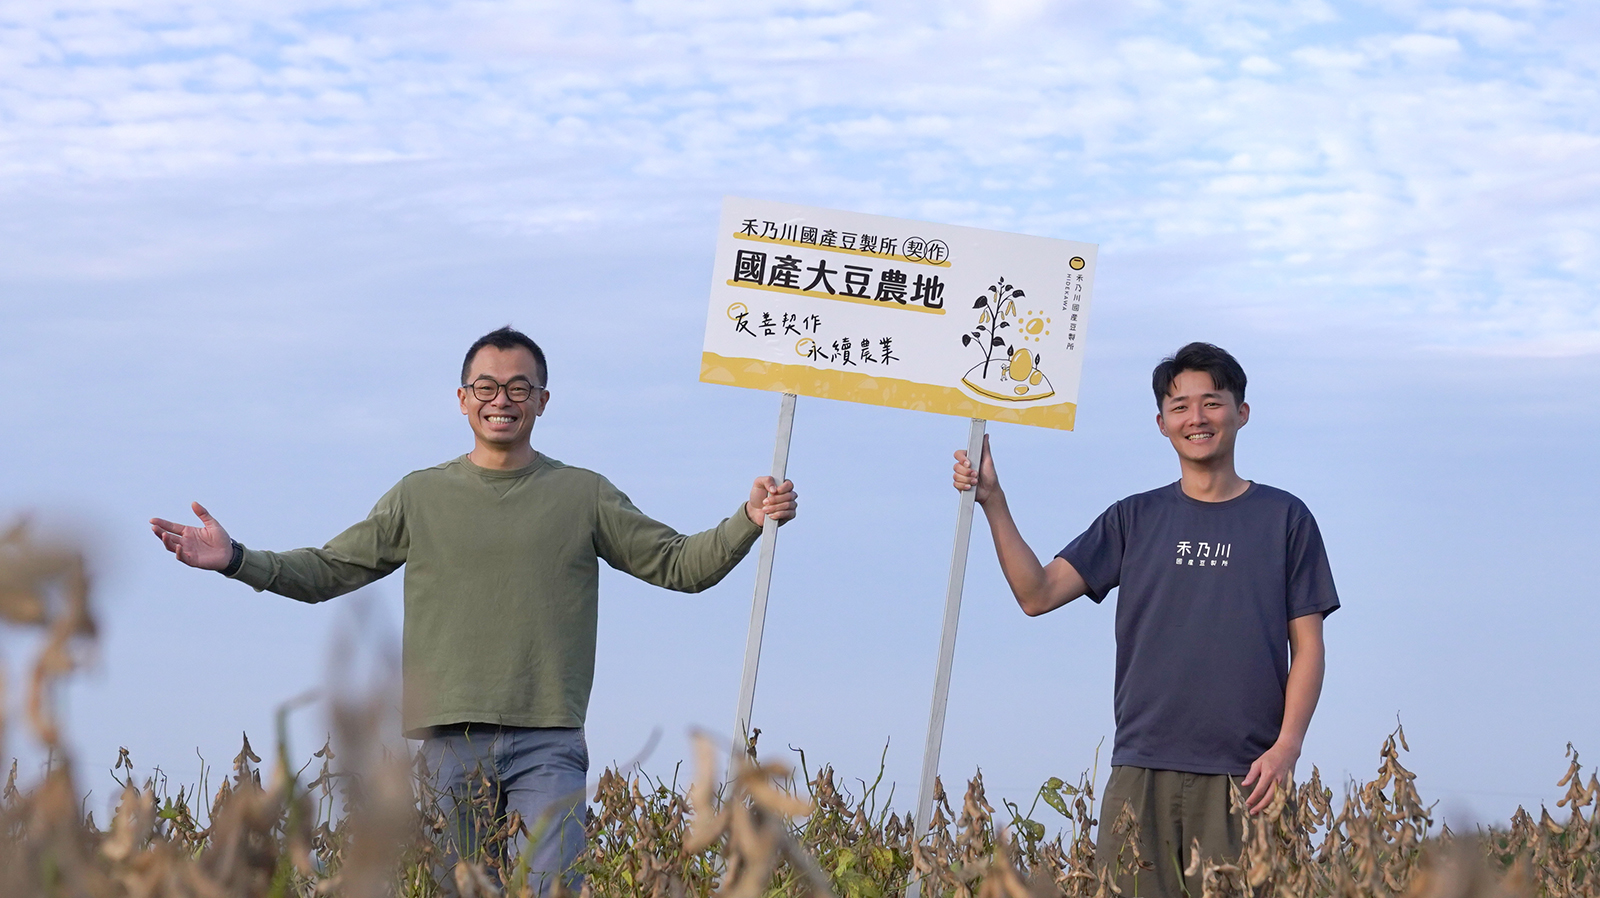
501, 582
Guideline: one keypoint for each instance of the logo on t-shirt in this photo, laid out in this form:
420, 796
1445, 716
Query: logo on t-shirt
1197, 554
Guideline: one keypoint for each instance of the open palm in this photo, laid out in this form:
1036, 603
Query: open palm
207, 547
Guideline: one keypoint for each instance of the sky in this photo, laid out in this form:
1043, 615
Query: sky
244, 246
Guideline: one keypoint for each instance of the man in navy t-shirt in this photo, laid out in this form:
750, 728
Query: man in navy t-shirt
1223, 587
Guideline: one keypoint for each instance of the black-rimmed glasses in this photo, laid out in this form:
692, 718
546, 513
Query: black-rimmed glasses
486, 388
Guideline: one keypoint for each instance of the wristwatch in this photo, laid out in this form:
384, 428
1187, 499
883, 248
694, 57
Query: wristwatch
237, 561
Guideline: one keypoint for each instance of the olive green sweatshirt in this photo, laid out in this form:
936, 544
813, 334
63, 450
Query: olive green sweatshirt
501, 582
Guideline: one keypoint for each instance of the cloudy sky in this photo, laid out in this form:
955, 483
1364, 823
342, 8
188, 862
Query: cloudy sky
245, 244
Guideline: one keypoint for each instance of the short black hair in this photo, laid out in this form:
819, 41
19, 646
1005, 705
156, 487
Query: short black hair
1225, 371
506, 338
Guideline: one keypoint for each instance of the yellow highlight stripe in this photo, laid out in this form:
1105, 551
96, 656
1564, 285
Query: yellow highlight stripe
893, 257
851, 386
841, 297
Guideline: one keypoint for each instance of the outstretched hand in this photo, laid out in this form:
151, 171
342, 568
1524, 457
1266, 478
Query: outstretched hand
207, 547
768, 497
984, 479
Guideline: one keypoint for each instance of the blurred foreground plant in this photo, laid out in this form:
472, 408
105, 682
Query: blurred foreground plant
368, 827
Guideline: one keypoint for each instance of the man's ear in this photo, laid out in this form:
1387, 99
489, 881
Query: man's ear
1244, 413
1161, 424
461, 397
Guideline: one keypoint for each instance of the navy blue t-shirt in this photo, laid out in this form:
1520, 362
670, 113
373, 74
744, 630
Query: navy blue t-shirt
1207, 593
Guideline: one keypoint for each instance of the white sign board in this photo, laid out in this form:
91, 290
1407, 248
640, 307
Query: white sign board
865, 308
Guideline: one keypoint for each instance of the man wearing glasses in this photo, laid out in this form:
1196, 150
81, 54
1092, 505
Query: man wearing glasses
501, 548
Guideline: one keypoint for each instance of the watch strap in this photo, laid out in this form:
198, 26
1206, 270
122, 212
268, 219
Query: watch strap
236, 562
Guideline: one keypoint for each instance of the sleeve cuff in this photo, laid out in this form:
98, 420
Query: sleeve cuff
742, 531
1096, 593
255, 569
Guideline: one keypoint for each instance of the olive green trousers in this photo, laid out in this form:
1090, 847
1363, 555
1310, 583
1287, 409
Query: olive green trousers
1172, 809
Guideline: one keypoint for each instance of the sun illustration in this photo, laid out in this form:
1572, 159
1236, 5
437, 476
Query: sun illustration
1034, 326
1076, 263
803, 346
737, 310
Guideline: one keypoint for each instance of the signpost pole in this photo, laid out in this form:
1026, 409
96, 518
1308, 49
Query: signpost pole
947, 648
758, 606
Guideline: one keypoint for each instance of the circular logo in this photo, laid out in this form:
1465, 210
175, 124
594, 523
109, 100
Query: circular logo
936, 251
804, 346
1076, 263
737, 310
913, 247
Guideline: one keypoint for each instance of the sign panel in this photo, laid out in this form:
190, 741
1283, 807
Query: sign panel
887, 311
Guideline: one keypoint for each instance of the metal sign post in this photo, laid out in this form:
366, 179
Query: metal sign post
947, 647
758, 606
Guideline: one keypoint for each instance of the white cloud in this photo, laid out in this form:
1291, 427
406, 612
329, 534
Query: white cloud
1421, 46
1340, 156
1488, 28
1259, 65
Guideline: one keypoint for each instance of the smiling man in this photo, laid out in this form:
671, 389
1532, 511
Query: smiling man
1223, 588
501, 548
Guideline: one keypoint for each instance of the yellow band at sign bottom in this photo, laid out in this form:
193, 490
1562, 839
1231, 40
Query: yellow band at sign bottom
852, 386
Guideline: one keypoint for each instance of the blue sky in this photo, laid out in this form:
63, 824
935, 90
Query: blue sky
244, 247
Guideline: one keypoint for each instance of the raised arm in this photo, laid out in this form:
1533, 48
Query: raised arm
633, 542
1038, 588
367, 551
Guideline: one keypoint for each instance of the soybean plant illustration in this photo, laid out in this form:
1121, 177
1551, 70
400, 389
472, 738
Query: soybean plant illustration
998, 305
1016, 377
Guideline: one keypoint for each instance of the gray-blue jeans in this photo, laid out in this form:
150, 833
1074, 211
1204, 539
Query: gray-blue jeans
481, 773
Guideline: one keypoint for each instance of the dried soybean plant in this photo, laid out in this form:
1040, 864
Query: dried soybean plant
1379, 843
250, 840
728, 842
759, 836
648, 839
44, 586
367, 826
